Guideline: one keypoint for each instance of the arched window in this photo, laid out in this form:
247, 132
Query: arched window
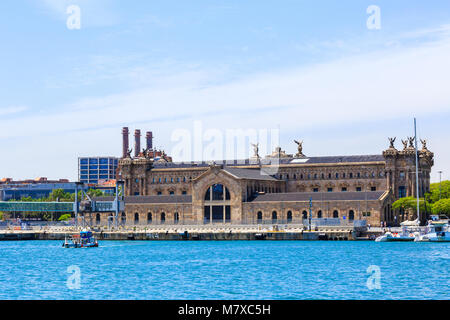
289, 216
163, 217
176, 217
274, 216
97, 218
259, 216
124, 218
217, 204
149, 218
305, 215
351, 215
319, 214
335, 214
136, 218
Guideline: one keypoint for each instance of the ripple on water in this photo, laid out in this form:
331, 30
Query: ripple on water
225, 270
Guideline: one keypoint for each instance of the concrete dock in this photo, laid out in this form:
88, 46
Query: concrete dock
195, 233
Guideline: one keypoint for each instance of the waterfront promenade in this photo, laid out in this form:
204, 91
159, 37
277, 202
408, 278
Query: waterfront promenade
196, 232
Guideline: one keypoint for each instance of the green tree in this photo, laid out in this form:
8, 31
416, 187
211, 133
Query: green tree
442, 207
65, 217
410, 203
434, 191
60, 195
95, 193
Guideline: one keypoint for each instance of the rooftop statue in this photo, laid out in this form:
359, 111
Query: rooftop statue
424, 144
129, 153
405, 144
392, 140
256, 150
299, 149
411, 141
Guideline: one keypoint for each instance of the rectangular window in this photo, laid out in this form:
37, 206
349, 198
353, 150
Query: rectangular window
227, 213
358, 189
330, 189
83, 161
373, 189
316, 190
401, 191
344, 189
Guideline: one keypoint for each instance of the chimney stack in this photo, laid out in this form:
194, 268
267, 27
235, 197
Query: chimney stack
149, 138
137, 142
125, 144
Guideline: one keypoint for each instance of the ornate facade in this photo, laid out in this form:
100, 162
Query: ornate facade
280, 188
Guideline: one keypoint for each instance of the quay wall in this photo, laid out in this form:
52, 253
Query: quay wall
155, 236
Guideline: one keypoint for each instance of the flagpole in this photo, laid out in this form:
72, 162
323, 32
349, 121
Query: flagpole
417, 172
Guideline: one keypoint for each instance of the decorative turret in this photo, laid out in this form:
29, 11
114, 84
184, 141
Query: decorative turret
401, 168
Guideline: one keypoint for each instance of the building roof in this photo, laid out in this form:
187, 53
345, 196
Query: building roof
250, 174
151, 199
282, 161
319, 196
343, 159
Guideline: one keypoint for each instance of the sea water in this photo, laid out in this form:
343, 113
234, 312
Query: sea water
225, 270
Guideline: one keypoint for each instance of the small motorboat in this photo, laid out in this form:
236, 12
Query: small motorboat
405, 235
84, 239
437, 231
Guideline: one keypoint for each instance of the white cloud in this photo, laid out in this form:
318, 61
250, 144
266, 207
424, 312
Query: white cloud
388, 84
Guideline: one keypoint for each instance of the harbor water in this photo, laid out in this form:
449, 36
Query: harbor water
225, 270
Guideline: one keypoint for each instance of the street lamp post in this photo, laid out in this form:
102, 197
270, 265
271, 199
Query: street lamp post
440, 181
310, 212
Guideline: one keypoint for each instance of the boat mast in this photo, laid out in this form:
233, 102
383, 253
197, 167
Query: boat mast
417, 172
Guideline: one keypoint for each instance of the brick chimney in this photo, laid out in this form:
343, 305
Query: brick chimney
137, 142
149, 138
125, 144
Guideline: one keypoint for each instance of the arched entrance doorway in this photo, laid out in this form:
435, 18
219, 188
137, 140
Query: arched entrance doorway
217, 207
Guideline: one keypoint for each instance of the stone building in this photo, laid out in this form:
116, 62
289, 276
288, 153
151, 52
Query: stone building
280, 188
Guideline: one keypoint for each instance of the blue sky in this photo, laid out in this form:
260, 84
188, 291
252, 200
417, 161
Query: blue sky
311, 68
